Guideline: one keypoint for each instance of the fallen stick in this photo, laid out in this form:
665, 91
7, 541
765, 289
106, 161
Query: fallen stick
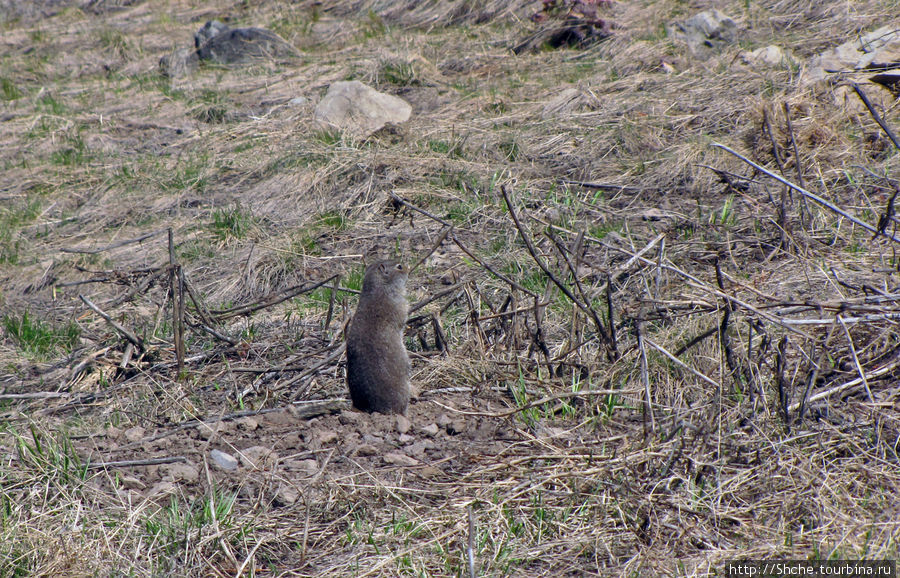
35, 395
884, 126
269, 300
665, 352
123, 331
130, 463
852, 383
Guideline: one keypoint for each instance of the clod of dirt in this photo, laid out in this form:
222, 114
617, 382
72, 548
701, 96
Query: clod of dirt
308, 467
431, 429
132, 483
181, 473
258, 457
326, 436
417, 449
224, 461
366, 450
286, 495
161, 489
247, 423
457, 426
399, 459
348, 417
134, 434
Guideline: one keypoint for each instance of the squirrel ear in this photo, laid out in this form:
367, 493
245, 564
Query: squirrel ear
383, 267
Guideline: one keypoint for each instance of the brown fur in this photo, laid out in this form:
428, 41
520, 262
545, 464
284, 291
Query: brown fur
377, 361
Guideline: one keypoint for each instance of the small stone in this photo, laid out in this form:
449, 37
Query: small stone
372, 439
225, 461
182, 473
398, 459
431, 429
134, 434
286, 495
443, 420
298, 101
417, 449
132, 483
406, 438
402, 424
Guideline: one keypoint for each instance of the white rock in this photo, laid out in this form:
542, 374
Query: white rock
225, 461
359, 110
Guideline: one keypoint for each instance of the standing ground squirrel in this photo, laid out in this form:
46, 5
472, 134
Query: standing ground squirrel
377, 361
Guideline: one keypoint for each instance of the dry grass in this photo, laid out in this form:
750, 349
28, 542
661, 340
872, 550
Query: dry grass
748, 446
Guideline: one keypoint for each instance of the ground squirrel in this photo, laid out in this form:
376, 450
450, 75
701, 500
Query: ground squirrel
377, 361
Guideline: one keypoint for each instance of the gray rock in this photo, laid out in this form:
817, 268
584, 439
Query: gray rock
225, 461
402, 424
241, 45
210, 29
431, 429
359, 110
706, 32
